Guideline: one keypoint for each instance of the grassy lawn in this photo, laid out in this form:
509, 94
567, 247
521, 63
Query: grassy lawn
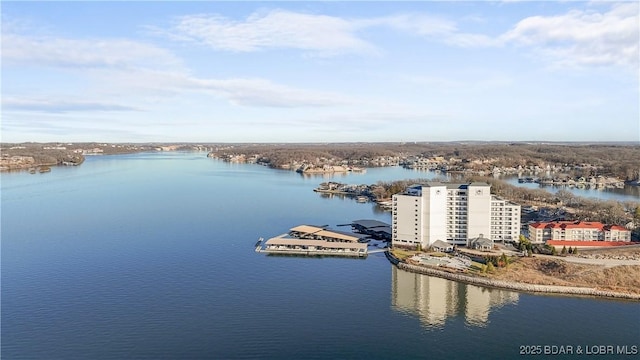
476, 267
403, 254
437, 254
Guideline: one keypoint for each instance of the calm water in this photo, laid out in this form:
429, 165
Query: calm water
627, 193
150, 256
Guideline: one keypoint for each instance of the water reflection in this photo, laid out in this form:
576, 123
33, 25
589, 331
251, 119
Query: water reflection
434, 299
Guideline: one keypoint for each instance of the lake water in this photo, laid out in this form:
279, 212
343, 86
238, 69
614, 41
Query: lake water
150, 256
627, 193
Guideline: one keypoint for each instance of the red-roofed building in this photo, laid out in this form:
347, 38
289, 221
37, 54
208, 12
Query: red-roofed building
541, 232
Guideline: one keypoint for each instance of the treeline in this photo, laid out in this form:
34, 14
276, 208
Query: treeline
279, 157
612, 160
386, 189
283, 154
585, 209
47, 157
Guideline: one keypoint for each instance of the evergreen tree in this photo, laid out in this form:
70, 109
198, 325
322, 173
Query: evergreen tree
570, 250
575, 250
564, 250
554, 251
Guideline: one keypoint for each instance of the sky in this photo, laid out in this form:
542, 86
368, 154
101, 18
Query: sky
333, 71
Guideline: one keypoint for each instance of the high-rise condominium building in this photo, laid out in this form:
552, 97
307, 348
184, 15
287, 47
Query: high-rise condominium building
453, 213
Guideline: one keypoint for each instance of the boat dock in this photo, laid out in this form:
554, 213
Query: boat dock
259, 244
370, 237
378, 251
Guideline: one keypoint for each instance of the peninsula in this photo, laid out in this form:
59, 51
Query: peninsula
613, 273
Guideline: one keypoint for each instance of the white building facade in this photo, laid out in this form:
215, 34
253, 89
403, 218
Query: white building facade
453, 213
505, 220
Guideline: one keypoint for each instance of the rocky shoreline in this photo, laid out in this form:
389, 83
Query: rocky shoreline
475, 280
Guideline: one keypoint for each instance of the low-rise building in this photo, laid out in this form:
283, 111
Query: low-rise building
541, 232
480, 243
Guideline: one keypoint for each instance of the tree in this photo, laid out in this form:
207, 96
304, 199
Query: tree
564, 250
570, 250
490, 267
575, 250
524, 243
504, 260
554, 251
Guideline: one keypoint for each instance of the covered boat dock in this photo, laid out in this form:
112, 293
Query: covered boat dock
315, 240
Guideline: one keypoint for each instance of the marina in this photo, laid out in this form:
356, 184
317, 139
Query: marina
320, 241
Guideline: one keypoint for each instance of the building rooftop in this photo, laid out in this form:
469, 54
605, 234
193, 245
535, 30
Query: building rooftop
317, 243
450, 185
369, 224
323, 232
441, 244
569, 225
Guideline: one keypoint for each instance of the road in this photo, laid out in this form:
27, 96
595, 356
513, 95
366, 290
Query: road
587, 261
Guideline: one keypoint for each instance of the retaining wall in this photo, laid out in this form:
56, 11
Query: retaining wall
475, 280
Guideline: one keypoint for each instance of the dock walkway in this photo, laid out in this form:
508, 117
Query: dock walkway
377, 251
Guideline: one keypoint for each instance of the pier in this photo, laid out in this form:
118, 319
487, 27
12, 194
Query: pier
314, 240
370, 238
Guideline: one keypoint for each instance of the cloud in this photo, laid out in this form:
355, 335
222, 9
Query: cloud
64, 52
321, 34
431, 27
60, 106
260, 92
129, 65
274, 29
415, 23
52, 127
583, 37
356, 121
254, 92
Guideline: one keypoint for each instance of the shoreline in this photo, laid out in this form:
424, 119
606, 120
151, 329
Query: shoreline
517, 286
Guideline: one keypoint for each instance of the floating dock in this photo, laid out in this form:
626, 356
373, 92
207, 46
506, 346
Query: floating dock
315, 241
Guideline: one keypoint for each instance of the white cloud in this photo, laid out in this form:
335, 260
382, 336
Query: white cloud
355, 123
417, 23
274, 29
583, 37
320, 34
239, 91
127, 64
60, 105
64, 52
260, 92
432, 27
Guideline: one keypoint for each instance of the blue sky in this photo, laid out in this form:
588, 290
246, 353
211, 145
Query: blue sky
320, 71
